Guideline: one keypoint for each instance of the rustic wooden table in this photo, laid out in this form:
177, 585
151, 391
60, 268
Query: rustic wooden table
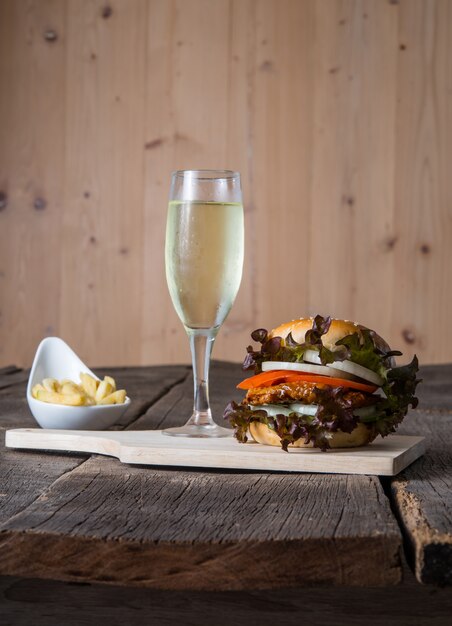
222, 547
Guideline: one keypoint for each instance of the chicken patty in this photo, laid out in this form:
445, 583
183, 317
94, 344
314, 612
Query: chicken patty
308, 393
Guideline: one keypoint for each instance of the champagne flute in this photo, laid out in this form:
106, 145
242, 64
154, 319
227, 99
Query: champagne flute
204, 260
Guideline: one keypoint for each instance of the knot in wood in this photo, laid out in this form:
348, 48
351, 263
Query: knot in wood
390, 242
266, 66
50, 35
155, 143
408, 336
39, 204
3, 200
107, 12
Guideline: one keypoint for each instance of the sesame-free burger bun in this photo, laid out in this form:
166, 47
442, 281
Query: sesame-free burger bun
360, 436
338, 330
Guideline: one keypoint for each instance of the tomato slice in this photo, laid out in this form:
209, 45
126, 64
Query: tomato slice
265, 379
276, 377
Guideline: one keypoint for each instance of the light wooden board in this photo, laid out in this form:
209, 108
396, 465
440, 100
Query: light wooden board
32, 140
423, 149
384, 457
337, 114
102, 221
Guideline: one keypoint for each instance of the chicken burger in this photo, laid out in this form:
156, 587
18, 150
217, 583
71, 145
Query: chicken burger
323, 383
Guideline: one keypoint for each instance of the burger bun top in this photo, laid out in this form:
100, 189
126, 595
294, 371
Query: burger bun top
337, 331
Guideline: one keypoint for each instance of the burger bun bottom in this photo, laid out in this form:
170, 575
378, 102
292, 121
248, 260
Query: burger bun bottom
360, 436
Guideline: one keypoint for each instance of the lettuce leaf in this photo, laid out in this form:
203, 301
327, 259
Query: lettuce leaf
292, 427
362, 349
271, 350
289, 428
276, 349
399, 388
313, 341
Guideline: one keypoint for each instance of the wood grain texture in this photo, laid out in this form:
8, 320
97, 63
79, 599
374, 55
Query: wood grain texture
337, 114
102, 217
24, 477
434, 391
429, 485
351, 210
218, 530
165, 530
423, 497
145, 385
12, 375
197, 118
424, 147
422, 493
281, 107
176, 406
19, 488
32, 140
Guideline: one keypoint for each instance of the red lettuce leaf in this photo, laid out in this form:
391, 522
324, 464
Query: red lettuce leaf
278, 349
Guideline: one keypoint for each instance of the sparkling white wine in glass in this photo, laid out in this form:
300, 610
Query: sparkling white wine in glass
204, 259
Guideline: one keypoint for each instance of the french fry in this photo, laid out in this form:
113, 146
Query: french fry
86, 393
53, 397
104, 390
89, 384
71, 388
112, 382
51, 384
35, 389
117, 397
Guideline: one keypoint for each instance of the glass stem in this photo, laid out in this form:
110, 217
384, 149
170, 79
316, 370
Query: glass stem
201, 344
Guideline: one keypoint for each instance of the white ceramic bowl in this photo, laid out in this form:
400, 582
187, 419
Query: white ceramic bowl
55, 359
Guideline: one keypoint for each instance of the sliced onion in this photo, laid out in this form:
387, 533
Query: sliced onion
307, 368
278, 409
365, 412
304, 409
357, 370
272, 409
312, 356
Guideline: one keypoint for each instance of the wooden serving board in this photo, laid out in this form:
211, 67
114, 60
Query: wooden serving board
384, 457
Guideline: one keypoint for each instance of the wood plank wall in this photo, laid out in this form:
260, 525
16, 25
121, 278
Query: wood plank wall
338, 113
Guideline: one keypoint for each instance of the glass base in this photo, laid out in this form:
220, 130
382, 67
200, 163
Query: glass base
200, 431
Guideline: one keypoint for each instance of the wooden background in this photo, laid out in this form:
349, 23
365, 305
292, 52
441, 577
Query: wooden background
337, 113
